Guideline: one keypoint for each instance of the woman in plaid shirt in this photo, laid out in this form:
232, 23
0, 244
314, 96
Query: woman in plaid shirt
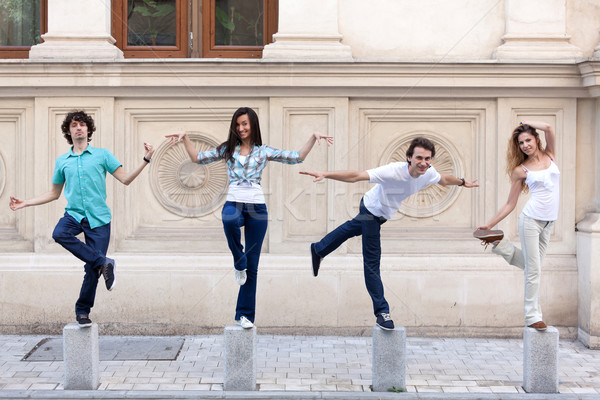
246, 157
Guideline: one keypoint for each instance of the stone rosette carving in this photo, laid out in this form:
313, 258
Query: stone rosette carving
434, 199
185, 188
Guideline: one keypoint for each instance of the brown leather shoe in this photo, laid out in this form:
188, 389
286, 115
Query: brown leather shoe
540, 326
488, 236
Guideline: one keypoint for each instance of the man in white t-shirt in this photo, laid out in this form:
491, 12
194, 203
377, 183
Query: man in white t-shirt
394, 183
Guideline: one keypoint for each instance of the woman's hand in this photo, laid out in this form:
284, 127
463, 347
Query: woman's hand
176, 137
319, 136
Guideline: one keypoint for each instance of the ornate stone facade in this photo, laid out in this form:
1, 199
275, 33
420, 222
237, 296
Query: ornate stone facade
373, 91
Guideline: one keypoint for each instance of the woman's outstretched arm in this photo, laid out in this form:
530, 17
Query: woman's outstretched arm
315, 137
177, 137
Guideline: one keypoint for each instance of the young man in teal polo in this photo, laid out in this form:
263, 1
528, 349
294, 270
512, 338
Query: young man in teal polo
82, 173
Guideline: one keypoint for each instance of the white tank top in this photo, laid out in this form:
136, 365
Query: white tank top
545, 194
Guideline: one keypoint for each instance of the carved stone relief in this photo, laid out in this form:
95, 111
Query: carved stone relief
183, 187
434, 199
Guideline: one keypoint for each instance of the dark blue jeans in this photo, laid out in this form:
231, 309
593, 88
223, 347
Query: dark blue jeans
369, 226
92, 252
254, 219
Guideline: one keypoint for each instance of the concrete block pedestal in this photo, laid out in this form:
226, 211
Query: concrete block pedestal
240, 358
81, 357
389, 359
540, 360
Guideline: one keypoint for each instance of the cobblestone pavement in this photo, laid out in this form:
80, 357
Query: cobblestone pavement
316, 364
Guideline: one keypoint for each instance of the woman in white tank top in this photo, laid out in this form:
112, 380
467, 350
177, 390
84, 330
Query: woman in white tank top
531, 168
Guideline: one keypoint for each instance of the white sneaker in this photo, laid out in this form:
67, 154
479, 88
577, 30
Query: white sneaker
240, 277
244, 323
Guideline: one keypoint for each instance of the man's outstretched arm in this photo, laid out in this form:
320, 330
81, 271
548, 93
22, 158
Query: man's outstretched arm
452, 180
127, 177
51, 195
344, 176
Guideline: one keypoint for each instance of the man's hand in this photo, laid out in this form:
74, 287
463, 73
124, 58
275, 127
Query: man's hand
149, 150
16, 204
319, 176
471, 184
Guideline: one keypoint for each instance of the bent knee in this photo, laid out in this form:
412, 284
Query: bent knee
60, 236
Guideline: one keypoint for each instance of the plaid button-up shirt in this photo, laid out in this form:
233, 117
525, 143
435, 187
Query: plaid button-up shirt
251, 170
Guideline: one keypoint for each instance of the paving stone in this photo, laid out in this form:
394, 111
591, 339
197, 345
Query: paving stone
495, 363
114, 348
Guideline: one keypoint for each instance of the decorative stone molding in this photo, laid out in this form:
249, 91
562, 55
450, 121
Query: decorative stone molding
588, 252
2, 175
434, 199
308, 30
73, 34
596, 52
183, 187
308, 47
536, 30
80, 47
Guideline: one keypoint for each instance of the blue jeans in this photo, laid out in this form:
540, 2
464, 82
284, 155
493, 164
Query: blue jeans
92, 252
254, 219
369, 226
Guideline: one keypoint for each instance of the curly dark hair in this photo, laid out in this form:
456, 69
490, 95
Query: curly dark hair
80, 116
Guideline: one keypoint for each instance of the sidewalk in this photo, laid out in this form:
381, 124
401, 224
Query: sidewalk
306, 367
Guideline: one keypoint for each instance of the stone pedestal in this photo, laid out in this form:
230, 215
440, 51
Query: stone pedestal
74, 34
536, 30
81, 357
540, 360
588, 280
308, 30
389, 359
240, 358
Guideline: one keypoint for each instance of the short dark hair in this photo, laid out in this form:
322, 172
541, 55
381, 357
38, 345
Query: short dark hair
420, 142
80, 116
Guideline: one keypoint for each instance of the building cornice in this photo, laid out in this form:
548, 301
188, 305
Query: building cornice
215, 77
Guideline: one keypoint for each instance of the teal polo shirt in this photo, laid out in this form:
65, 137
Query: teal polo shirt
84, 176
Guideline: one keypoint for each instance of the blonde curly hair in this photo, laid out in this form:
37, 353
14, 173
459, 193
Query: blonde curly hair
514, 154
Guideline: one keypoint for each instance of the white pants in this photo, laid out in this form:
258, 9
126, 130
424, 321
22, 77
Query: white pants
534, 236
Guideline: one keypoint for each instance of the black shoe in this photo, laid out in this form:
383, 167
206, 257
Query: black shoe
384, 321
84, 321
316, 260
108, 270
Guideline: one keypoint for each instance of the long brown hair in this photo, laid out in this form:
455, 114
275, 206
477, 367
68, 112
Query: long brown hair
514, 154
227, 148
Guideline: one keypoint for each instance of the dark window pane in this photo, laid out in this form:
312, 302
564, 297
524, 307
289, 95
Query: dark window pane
151, 23
239, 22
19, 22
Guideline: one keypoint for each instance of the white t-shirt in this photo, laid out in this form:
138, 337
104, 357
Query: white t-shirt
246, 193
393, 185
